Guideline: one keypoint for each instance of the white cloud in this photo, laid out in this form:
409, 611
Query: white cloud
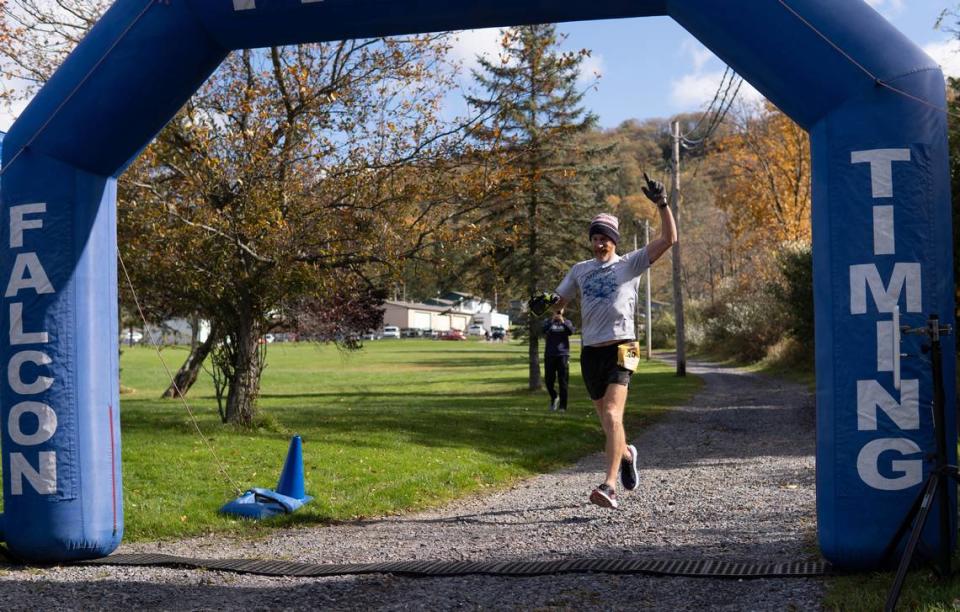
749, 94
468, 44
591, 68
695, 90
887, 7
9, 114
471, 43
699, 54
947, 54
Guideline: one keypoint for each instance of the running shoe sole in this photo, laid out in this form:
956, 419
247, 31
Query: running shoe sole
601, 499
628, 470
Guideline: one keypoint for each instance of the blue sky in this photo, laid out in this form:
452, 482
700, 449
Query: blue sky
651, 67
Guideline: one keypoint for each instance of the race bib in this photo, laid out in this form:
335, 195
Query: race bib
628, 355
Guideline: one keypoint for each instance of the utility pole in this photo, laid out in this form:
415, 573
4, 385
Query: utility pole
647, 321
677, 293
636, 307
649, 314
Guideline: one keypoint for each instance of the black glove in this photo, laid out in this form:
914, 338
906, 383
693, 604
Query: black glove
540, 303
655, 191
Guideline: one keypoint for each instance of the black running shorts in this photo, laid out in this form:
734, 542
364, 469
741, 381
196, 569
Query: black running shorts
599, 367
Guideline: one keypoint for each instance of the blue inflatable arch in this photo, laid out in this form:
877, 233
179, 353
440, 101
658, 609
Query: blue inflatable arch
870, 99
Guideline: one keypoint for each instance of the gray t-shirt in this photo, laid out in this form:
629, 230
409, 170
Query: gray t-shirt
608, 295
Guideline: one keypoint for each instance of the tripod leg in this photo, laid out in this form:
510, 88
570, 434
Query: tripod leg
945, 539
929, 493
904, 526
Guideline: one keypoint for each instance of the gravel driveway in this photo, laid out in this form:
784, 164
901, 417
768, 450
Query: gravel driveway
730, 476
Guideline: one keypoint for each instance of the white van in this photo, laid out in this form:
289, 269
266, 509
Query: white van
391, 331
476, 330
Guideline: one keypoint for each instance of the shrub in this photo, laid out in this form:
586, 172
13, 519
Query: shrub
664, 330
748, 322
742, 324
794, 292
790, 354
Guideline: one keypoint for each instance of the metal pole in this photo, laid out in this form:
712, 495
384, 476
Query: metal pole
941, 478
940, 428
677, 293
649, 315
636, 309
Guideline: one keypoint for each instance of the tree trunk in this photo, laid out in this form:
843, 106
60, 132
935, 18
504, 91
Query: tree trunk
533, 254
188, 372
534, 352
244, 383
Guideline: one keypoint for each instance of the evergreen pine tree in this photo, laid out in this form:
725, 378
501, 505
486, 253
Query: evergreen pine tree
547, 171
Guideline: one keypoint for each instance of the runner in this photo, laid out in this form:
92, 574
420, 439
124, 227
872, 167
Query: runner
607, 286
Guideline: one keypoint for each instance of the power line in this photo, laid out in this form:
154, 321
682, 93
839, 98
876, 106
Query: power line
716, 115
710, 106
726, 93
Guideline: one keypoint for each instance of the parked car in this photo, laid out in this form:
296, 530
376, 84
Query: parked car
370, 335
476, 330
412, 332
131, 336
497, 333
391, 331
453, 334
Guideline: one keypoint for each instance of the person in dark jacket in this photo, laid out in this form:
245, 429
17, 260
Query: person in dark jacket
556, 358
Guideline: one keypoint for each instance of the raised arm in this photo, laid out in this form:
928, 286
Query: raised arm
667, 237
668, 227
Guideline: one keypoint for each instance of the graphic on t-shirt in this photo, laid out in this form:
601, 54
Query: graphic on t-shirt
600, 284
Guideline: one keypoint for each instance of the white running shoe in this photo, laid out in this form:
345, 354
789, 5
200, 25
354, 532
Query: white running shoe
604, 496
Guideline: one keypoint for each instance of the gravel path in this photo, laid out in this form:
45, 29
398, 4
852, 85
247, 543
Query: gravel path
730, 476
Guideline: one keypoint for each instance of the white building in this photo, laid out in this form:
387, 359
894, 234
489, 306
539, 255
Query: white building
171, 331
452, 310
425, 317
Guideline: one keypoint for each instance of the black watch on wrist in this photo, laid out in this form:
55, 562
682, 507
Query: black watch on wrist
662, 203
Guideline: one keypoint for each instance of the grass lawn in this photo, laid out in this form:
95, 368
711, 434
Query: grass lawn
922, 590
400, 425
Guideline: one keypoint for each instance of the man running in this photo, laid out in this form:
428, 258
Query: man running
608, 285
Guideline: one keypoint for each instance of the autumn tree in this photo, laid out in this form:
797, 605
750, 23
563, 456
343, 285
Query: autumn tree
765, 185
760, 173
290, 187
284, 192
953, 136
37, 36
535, 135
949, 21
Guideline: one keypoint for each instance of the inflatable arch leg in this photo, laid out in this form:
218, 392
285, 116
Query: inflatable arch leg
62, 497
881, 191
